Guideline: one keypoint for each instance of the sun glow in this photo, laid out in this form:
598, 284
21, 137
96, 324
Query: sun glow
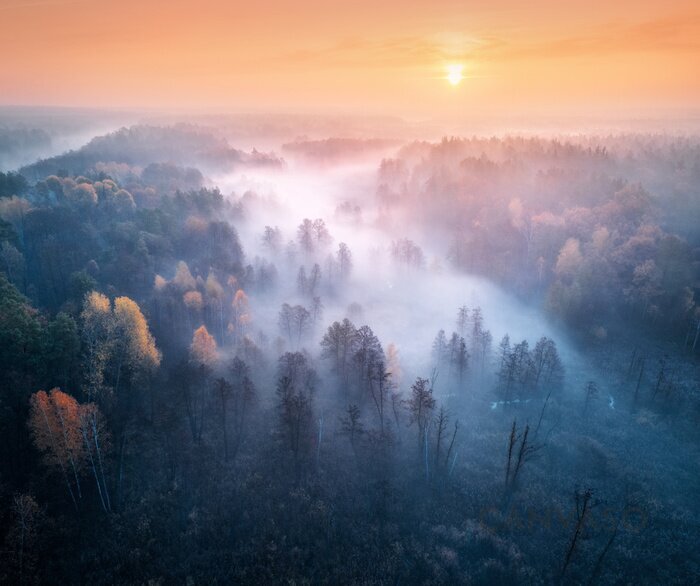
454, 74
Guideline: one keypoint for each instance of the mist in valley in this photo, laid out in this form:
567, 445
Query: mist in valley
323, 350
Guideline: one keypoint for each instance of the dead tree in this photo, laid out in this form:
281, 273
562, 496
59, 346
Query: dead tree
520, 451
544, 408
452, 444
595, 574
440, 427
511, 445
583, 508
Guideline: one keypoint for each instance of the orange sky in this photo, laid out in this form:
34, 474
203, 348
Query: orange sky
564, 57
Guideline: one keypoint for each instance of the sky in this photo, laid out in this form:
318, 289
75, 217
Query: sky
366, 56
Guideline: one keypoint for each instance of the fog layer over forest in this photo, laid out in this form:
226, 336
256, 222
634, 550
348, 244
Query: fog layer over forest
335, 350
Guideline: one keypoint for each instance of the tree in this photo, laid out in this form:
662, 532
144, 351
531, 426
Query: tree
314, 280
458, 357
590, 393
26, 517
380, 386
70, 435
134, 345
15, 210
295, 367
321, 235
583, 509
302, 281
440, 352
223, 390
407, 253
54, 421
62, 349
136, 358
122, 202
21, 370
272, 238
351, 424
295, 387
203, 350
484, 348
569, 259
81, 194
215, 298
267, 275
344, 259
477, 320
368, 353
236, 397
294, 322
516, 369
305, 236
193, 303
241, 315
301, 318
420, 407
12, 183
316, 310
441, 421
183, 278
338, 346
518, 455
96, 441
12, 262
97, 326
503, 351
393, 364
546, 364
462, 320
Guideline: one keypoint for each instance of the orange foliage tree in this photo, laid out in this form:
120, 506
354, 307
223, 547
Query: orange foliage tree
70, 435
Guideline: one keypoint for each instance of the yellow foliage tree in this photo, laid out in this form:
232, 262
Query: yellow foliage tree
98, 326
183, 277
241, 314
203, 350
134, 341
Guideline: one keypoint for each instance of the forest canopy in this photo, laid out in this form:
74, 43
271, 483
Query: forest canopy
460, 360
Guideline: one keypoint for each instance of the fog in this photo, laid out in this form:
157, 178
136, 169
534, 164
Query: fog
276, 345
28, 133
404, 306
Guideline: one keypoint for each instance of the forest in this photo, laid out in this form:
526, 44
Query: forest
317, 350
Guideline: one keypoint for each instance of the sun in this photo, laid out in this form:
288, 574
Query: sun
454, 73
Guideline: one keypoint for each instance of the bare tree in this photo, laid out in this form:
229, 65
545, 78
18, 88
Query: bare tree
520, 451
441, 421
583, 508
22, 534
